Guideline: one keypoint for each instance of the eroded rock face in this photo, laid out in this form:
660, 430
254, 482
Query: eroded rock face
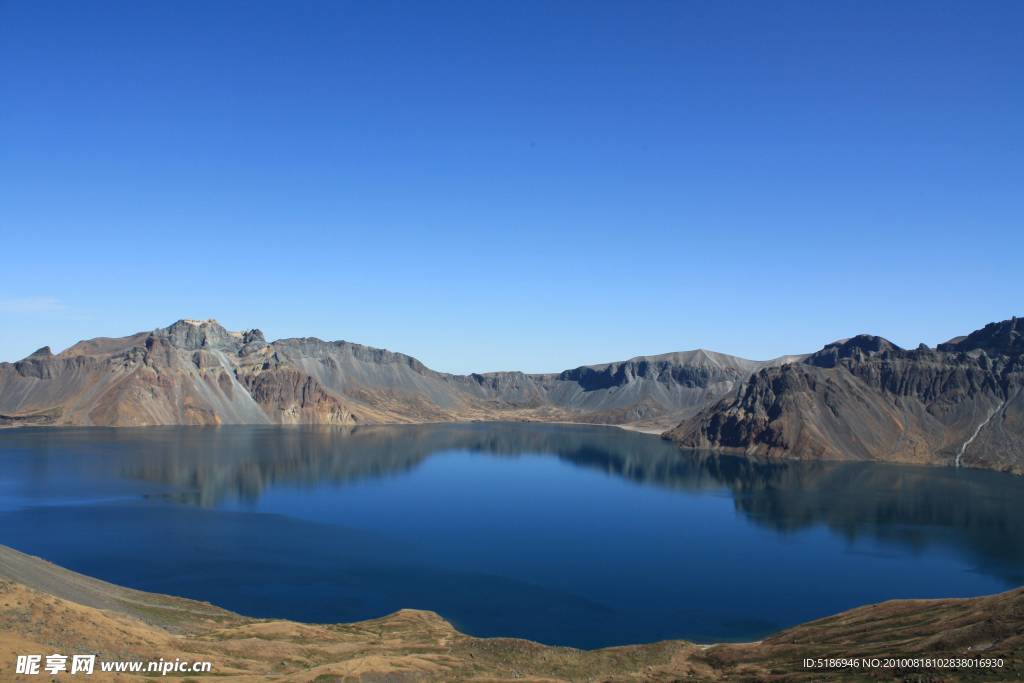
197, 372
1003, 338
289, 396
867, 399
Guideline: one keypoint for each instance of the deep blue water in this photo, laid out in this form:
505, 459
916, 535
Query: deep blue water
584, 536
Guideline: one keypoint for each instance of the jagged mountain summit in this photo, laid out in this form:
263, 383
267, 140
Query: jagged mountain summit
196, 372
865, 398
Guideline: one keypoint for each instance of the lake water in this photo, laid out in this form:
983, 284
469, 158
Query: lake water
584, 536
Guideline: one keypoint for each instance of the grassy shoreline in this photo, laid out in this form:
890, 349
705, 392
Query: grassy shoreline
45, 608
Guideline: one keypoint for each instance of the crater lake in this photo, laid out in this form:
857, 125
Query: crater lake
564, 534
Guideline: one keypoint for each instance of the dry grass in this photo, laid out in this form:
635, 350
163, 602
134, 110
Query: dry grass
46, 609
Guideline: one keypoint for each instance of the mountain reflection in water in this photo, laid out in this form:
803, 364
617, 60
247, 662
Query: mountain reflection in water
587, 547
854, 498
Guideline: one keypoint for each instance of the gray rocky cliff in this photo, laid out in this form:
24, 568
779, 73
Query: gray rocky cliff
865, 398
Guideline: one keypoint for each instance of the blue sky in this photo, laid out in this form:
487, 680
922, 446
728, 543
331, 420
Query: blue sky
527, 185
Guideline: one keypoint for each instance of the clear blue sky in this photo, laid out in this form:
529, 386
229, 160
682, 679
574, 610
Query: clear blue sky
496, 185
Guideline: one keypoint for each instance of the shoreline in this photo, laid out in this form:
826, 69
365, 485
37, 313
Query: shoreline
661, 433
626, 427
121, 623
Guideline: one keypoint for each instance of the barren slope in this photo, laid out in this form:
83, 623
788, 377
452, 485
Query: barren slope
196, 372
865, 398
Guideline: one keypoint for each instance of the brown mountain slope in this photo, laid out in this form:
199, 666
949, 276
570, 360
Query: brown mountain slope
961, 403
45, 609
196, 372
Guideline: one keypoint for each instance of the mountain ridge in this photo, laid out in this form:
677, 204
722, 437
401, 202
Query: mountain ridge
959, 403
865, 398
198, 372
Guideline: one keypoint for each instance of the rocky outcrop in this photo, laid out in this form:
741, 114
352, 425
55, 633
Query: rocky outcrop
289, 396
865, 398
197, 372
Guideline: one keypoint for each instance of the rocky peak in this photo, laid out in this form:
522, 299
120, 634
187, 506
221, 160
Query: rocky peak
1006, 337
859, 347
43, 352
199, 334
253, 335
253, 341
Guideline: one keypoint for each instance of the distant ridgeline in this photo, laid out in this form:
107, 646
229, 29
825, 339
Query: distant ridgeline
857, 399
196, 372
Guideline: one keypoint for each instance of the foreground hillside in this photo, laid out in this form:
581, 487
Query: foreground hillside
197, 373
865, 398
46, 609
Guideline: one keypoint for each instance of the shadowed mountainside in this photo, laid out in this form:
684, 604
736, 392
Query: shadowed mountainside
198, 373
865, 398
45, 609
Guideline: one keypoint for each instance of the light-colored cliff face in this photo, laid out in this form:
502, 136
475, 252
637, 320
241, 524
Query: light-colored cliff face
196, 372
865, 398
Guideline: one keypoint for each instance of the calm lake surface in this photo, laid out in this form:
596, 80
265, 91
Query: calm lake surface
584, 536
